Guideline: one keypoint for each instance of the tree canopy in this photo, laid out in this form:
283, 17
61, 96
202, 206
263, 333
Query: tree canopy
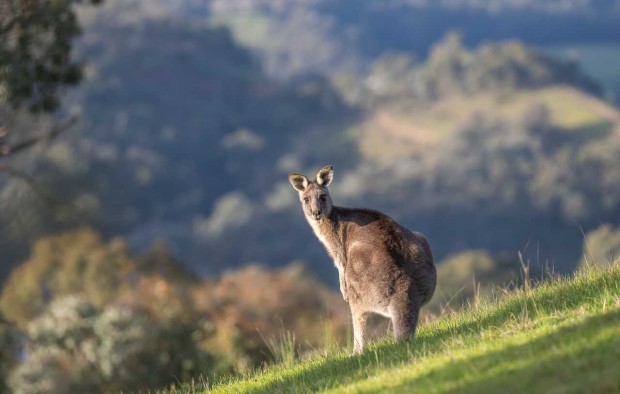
36, 40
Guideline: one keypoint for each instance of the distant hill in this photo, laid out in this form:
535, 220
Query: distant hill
185, 138
410, 130
298, 37
176, 117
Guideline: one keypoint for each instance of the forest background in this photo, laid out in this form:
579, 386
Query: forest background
159, 206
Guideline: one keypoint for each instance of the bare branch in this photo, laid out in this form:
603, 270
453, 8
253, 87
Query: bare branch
13, 172
66, 208
10, 8
8, 26
55, 132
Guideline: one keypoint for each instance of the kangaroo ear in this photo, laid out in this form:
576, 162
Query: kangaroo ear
325, 175
299, 182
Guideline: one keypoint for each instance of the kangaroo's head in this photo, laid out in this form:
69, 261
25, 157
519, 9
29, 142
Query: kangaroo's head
314, 195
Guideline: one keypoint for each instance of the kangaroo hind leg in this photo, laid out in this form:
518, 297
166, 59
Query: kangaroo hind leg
404, 314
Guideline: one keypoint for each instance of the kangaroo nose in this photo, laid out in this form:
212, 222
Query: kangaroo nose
317, 214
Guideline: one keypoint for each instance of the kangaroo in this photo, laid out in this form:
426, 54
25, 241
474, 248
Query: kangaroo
383, 267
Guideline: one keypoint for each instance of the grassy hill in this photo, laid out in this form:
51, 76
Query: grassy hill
561, 336
390, 133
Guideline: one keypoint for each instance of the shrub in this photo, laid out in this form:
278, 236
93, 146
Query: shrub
9, 345
601, 247
102, 272
77, 347
466, 276
252, 307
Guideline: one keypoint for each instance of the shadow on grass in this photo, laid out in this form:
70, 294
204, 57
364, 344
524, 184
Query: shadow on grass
572, 359
321, 375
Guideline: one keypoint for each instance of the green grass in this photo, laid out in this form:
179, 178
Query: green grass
563, 336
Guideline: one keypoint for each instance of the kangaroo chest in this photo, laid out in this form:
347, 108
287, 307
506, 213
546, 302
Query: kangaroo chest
329, 237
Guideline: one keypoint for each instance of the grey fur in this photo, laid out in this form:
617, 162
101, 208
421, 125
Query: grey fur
383, 267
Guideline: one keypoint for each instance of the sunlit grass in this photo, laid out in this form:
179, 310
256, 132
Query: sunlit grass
563, 334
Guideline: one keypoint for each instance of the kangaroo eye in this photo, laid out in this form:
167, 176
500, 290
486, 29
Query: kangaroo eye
306, 200
323, 198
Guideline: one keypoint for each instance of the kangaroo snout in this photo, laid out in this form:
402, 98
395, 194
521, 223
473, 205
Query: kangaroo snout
317, 214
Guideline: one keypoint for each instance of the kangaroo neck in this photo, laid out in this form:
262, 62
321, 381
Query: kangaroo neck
329, 230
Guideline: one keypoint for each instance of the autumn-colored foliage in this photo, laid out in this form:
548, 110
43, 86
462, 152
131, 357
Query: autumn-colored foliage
79, 297
77, 347
249, 306
97, 315
80, 262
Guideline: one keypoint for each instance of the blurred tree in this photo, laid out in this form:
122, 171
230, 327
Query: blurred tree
75, 262
445, 69
76, 347
601, 247
105, 288
253, 305
452, 69
9, 345
56, 339
159, 261
80, 262
35, 51
463, 276
491, 161
36, 41
390, 77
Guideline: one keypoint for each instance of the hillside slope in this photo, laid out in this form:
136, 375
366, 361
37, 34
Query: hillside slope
564, 336
202, 154
394, 132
